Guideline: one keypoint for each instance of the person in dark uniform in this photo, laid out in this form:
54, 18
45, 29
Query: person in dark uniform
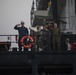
50, 27
56, 38
46, 38
23, 31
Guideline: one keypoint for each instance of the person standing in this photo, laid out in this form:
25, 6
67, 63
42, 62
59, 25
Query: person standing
56, 37
45, 38
23, 31
50, 27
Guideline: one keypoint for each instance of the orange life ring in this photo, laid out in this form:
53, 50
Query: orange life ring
27, 46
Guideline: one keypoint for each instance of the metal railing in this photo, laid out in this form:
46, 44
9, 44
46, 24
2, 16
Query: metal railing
41, 42
8, 42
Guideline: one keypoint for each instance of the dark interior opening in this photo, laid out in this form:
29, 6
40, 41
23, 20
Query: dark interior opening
15, 69
55, 68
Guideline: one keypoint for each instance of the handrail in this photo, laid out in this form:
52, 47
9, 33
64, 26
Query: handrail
8, 35
8, 41
39, 42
